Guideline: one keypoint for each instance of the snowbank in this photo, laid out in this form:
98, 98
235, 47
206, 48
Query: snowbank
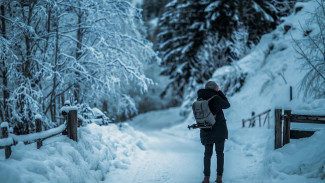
301, 160
100, 149
6, 141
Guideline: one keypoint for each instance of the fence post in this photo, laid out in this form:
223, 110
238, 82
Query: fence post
286, 127
253, 118
268, 120
278, 128
290, 93
39, 129
72, 125
4, 131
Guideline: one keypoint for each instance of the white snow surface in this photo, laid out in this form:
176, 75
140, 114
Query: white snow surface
4, 125
38, 116
99, 150
6, 141
69, 108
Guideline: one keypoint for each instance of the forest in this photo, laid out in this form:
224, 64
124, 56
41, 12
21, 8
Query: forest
125, 57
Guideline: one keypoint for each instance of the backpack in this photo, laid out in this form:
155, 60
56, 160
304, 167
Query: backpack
202, 114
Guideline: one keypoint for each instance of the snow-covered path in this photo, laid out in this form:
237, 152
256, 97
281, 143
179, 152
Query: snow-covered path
169, 158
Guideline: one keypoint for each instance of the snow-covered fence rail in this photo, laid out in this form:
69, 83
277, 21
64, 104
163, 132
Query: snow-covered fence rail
283, 133
259, 116
9, 140
70, 127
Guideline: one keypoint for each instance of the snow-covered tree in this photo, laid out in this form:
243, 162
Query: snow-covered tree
231, 26
83, 51
312, 52
182, 28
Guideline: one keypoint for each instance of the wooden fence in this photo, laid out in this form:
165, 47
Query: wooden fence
69, 128
283, 133
252, 120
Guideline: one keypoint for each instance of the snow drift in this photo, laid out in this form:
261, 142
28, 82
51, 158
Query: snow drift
100, 149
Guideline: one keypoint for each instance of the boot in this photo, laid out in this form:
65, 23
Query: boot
206, 179
219, 179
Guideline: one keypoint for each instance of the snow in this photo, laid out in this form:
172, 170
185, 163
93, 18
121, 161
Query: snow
97, 112
39, 135
69, 108
154, 22
67, 103
38, 116
300, 161
6, 141
173, 158
99, 151
4, 125
212, 6
137, 3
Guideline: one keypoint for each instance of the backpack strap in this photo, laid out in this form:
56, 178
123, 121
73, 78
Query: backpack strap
211, 98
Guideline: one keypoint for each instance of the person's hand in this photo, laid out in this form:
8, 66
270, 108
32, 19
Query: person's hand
218, 88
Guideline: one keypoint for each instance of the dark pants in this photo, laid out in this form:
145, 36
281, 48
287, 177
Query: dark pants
219, 147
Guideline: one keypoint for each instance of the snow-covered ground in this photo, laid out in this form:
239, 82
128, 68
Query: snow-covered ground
173, 158
249, 156
99, 150
112, 154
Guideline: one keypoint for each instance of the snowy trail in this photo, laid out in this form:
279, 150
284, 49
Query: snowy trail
163, 161
169, 158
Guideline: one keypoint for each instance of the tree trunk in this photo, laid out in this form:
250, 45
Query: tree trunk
4, 70
53, 99
76, 91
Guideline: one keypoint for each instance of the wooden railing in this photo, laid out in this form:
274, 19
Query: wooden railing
252, 120
69, 128
285, 131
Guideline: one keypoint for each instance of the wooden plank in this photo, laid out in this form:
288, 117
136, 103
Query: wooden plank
296, 118
277, 129
42, 139
297, 134
286, 127
255, 116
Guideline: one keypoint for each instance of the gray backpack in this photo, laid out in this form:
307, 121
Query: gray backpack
203, 116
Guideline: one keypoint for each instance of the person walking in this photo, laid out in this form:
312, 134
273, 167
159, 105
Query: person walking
219, 132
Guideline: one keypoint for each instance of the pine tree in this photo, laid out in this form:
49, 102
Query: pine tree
187, 26
182, 28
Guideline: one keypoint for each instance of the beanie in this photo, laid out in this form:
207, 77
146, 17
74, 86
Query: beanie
211, 85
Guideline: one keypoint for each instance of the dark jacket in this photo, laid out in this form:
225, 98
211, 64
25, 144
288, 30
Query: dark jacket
219, 131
